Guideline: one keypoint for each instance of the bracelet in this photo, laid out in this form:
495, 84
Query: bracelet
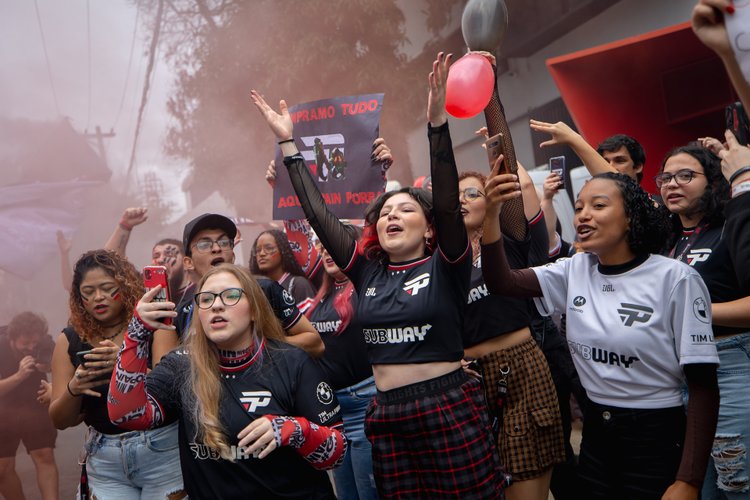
742, 187
124, 225
739, 172
71, 392
285, 140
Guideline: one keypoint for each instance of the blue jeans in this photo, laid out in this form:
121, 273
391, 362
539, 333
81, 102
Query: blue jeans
354, 478
727, 474
134, 465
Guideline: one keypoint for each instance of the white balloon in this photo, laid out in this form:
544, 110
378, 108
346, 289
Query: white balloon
484, 23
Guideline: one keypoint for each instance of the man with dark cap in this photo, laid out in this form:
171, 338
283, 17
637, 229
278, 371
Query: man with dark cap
208, 240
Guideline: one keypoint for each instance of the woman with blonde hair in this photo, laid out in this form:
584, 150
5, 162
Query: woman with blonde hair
233, 387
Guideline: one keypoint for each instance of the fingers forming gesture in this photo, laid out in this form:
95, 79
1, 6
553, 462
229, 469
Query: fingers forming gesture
280, 123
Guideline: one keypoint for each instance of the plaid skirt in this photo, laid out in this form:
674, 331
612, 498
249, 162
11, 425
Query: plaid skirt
531, 438
433, 440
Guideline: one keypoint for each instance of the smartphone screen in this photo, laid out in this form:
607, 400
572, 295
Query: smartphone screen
557, 165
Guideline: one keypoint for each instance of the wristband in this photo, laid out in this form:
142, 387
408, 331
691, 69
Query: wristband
124, 225
739, 172
742, 187
285, 140
71, 392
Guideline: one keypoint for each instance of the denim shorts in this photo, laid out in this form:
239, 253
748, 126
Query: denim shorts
133, 465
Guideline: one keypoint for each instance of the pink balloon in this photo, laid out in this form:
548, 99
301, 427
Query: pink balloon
471, 81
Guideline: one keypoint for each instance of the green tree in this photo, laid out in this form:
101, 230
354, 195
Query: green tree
299, 51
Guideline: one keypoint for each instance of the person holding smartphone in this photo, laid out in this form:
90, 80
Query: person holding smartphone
117, 463
257, 417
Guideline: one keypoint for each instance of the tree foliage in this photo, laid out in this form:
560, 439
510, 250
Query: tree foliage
299, 51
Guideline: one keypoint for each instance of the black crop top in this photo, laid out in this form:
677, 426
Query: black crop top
411, 312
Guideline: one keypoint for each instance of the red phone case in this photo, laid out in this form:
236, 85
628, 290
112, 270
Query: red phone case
154, 276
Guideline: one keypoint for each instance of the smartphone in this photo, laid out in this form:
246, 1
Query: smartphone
738, 122
557, 165
157, 275
80, 355
495, 147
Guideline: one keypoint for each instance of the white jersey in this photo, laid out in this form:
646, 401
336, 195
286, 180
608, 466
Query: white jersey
629, 333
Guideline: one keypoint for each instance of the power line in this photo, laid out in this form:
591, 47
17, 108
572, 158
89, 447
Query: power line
88, 42
130, 61
147, 81
46, 57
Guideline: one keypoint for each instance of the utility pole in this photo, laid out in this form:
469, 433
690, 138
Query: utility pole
99, 136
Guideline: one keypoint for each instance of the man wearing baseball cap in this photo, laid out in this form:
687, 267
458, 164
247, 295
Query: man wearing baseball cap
209, 241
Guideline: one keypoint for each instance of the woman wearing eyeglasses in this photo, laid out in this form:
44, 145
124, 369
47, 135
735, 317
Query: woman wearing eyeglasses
496, 333
272, 257
118, 463
257, 417
695, 192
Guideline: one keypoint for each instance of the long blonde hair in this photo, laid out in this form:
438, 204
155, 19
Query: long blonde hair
205, 375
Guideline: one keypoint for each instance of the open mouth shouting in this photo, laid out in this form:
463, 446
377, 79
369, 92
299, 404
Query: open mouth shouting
584, 231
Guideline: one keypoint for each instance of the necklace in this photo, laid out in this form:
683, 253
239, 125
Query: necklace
117, 332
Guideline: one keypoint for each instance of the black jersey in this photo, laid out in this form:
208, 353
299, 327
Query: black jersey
284, 381
21, 399
281, 302
737, 235
705, 250
345, 358
412, 312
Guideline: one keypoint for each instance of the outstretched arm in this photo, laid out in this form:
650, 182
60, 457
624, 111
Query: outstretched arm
332, 233
562, 134
64, 245
451, 232
129, 404
131, 217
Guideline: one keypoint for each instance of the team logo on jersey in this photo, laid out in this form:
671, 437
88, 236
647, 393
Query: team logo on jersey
414, 285
579, 301
324, 393
288, 299
698, 255
700, 309
634, 313
370, 292
252, 400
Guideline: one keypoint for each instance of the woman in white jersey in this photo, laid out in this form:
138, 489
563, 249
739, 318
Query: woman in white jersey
639, 327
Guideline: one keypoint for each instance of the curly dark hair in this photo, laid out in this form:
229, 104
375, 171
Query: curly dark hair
288, 261
370, 244
123, 272
715, 197
472, 173
648, 224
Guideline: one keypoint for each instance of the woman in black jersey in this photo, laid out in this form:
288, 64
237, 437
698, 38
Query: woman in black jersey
638, 328
119, 464
271, 256
695, 193
496, 333
257, 418
428, 423
333, 314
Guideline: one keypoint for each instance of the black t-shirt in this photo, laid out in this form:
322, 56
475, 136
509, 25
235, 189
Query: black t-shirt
412, 312
281, 302
705, 250
94, 409
299, 287
283, 381
487, 315
22, 398
345, 358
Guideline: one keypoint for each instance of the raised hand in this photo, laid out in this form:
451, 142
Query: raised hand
381, 152
153, 313
279, 123
436, 113
63, 243
131, 217
271, 173
561, 133
500, 188
708, 25
551, 186
734, 157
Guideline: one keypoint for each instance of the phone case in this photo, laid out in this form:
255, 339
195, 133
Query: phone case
154, 276
495, 148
